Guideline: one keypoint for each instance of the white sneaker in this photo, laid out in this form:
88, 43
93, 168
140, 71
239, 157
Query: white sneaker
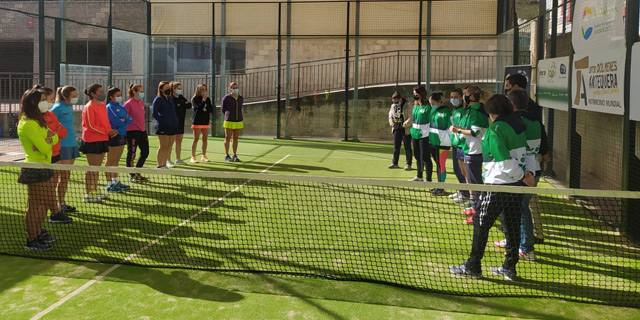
163, 168
530, 256
454, 195
170, 164
501, 243
179, 162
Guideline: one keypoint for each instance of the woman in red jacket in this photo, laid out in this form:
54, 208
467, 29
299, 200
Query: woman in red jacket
96, 132
57, 216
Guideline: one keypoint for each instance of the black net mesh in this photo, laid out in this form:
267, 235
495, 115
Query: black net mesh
347, 229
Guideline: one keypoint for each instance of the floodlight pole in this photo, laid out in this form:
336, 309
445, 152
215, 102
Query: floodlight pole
41, 42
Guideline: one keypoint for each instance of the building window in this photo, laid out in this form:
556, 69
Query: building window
195, 57
87, 53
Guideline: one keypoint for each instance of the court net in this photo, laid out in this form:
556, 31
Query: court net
391, 232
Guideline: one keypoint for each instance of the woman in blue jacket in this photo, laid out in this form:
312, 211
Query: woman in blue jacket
164, 111
119, 119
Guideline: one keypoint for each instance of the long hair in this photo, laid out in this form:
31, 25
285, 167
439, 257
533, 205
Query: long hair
422, 93
199, 90
29, 105
64, 93
132, 89
160, 85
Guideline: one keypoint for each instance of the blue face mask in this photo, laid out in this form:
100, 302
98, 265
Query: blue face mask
235, 91
118, 99
141, 95
435, 106
455, 102
179, 92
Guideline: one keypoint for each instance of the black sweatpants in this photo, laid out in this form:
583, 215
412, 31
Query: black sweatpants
473, 167
421, 151
492, 205
137, 139
398, 138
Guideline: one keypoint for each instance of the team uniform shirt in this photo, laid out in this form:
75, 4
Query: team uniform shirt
504, 147
421, 118
456, 119
135, 109
32, 134
95, 122
118, 118
54, 125
64, 114
439, 134
477, 121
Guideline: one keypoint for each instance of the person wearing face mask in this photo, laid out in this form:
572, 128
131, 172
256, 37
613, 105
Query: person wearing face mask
420, 133
164, 111
37, 141
503, 148
462, 196
474, 122
66, 98
202, 109
401, 120
96, 132
439, 137
137, 137
119, 119
233, 120
54, 125
182, 104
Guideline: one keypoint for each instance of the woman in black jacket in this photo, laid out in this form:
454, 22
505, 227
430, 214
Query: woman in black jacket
182, 104
202, 107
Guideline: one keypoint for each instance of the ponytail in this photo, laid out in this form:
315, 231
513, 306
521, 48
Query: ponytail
132, 90
64, 93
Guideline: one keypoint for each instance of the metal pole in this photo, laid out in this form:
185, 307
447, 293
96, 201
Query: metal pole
420, 45
149, 65
63, 42
41, 43
278, 117
213, 71
287, 132
56, 53
346, 76
427, 81
110, 43
223, 54
356, 73
631, 25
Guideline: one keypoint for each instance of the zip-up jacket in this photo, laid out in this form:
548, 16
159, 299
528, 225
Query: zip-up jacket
421, 117
503, 151
401, 117
477, 121
200, 116
182, 104
456, 119
232, 108
165, 114
32, 134
533, 133
54, 125
439, 134
64, 114
95, 122
118, 117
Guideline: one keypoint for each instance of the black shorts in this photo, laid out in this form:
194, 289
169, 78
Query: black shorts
55, 159
117, 141
165, 131
99, 147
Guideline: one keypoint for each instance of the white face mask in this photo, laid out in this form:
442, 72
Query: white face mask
44, 106
493, 118
74, 100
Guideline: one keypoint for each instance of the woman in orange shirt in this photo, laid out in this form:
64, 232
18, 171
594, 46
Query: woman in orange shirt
96, 131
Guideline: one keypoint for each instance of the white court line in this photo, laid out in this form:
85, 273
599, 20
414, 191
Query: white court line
147, 246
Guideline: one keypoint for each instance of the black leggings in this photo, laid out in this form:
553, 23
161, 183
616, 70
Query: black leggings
137, 139
473, 166
421, 151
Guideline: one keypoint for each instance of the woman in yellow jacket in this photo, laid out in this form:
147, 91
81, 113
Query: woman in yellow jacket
37, 141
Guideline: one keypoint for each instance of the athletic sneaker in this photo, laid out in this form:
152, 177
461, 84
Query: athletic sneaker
46, 237
455, 195
527, 256
416, 179
37, 245
462, 270
500, 271
170, 164
468, 212
137, 178
500, 243
437, 192
60, 217
194, 160
469, 221
393, 166
180, 162
103, 196
228, 159
235, 158
67, 208
114, 187
122, 186
407, 167
92, 197
163, 168
205, 159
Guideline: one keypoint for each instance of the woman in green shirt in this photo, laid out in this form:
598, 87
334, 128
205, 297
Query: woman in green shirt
439, 137
420, 133
37, 141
